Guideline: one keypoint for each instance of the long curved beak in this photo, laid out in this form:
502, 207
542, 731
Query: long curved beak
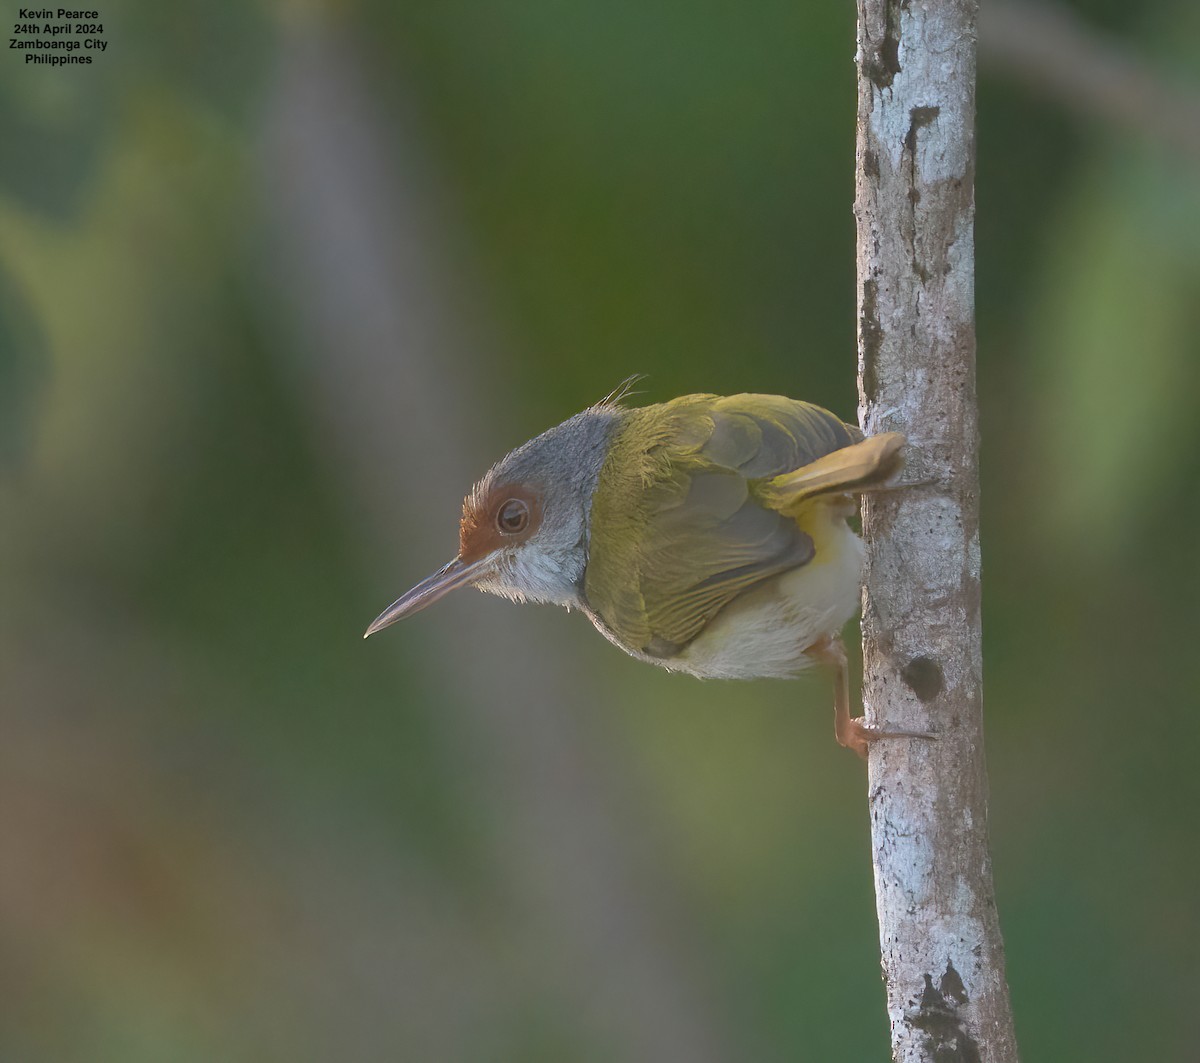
447, 578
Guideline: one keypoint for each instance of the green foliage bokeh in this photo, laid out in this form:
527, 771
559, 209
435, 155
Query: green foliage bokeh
223, 817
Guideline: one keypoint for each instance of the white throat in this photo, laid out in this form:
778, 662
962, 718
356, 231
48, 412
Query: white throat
534, 574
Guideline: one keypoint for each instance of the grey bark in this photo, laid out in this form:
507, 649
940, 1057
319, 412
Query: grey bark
942, 954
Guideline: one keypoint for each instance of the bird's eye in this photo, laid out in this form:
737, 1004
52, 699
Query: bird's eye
512, 517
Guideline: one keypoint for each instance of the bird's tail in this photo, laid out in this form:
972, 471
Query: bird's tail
849, 470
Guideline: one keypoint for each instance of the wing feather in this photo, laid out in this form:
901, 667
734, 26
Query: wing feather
680, 525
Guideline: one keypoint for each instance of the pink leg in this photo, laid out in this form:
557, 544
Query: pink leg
852, 732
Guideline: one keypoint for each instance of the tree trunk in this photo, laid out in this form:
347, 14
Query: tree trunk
943, 958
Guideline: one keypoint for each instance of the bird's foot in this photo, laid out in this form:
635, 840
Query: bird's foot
853, 732
857, 734
897, 485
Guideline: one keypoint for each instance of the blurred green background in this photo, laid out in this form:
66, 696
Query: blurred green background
278, 281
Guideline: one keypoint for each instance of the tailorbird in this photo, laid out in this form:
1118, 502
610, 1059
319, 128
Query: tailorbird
706, 534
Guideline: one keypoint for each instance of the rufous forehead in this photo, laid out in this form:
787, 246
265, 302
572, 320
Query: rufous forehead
478, 532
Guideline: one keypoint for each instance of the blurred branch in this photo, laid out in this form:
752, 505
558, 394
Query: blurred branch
942, 954
401, 395
1049, 48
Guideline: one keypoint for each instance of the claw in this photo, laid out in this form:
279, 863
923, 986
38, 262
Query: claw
857, 734
852, 732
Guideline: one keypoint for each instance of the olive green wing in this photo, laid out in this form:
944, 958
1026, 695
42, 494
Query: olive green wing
766, 435
677, 527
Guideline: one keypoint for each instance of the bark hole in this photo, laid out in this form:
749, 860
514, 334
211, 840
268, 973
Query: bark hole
923, 676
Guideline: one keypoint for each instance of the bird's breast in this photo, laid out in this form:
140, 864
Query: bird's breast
764, 632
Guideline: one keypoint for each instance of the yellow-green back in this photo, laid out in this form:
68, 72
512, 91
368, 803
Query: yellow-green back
678, 524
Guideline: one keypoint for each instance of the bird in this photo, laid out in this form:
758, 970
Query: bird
707, 535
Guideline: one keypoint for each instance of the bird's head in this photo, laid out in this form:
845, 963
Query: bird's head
524, 527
